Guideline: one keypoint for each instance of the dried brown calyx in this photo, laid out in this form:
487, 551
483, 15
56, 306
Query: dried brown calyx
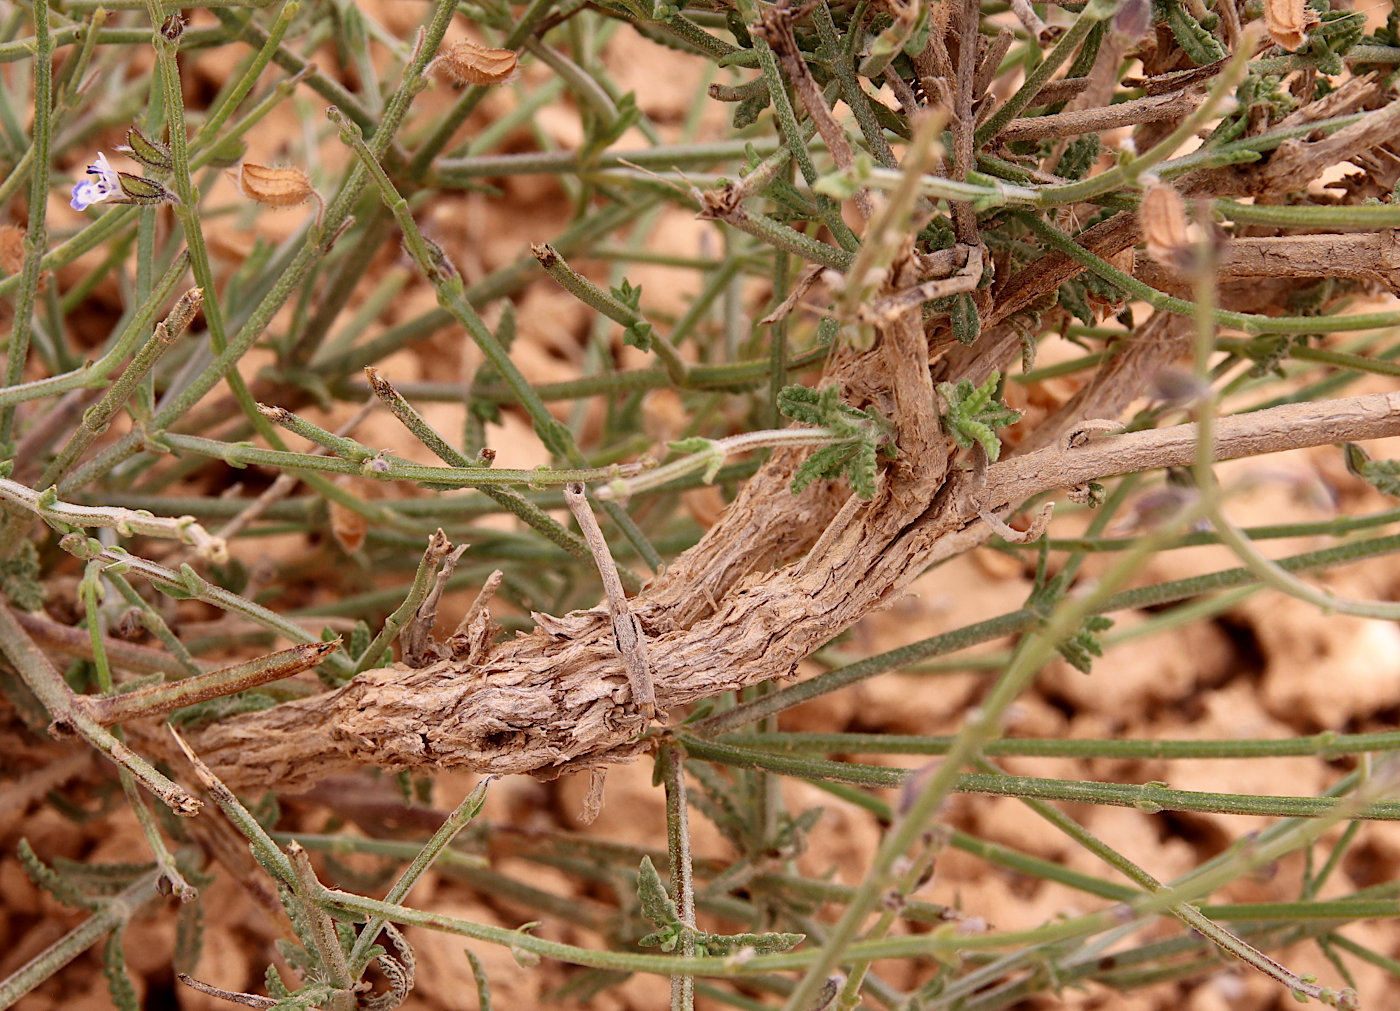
274, 187
1288, 22
1163, 219
466, 62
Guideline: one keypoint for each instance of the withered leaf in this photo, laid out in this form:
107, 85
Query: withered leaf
347, 526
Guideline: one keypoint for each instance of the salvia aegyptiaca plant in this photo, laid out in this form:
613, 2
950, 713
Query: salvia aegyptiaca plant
897, 288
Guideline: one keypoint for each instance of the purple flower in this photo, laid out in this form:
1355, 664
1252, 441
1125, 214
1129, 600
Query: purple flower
103, 185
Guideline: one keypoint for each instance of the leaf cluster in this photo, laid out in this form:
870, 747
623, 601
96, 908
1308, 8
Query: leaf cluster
659, 908
974, 413
862, 433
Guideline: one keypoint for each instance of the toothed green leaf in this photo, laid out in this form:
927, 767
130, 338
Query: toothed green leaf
974, 415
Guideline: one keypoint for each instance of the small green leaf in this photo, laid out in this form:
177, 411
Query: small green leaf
119, 983
524, 956
272, 980
1079, 157
668, 938
967, 325
974, 414
1081, 648
1383, 475
50, 880
1195, 41
19, 577
189, 935
746, 113
863, 433
638, 335
657, 905
699, 445
483, 985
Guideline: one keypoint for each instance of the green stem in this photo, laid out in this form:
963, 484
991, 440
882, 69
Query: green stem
97, 418
186, 583
234, 96
48, 686
113, 913
590, 294
1326, 745
422, 861
471, 98
317, 243
1018, 621
36, 233
1128, 172
672, 762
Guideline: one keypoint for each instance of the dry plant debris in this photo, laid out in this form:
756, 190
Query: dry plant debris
903, 205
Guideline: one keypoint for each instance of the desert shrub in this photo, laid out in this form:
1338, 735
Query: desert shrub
690, 340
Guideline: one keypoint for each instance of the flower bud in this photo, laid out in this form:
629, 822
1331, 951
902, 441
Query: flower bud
140, 190
151, 153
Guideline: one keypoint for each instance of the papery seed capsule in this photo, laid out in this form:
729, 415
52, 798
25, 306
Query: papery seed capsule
275, 187
1163, 219
1288, 22
468, 63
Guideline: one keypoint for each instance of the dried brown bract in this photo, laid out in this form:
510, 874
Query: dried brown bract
11, 249
278, 187
348, 527
1163, 219
1288, 22
466, 62
274, 187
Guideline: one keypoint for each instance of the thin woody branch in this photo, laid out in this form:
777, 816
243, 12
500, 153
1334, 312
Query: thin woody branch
1151, 109
1292, 426
550, 701
1363, 256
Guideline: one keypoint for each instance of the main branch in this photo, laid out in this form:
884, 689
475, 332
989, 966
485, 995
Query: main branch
557, 699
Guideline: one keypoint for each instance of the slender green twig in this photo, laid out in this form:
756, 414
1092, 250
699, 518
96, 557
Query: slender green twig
682, 882
1065, 46
1251, 323
113, 913
461, 815
36, 233
48, 686
1016, 621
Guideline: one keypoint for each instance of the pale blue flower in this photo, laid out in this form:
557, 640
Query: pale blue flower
104, 184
